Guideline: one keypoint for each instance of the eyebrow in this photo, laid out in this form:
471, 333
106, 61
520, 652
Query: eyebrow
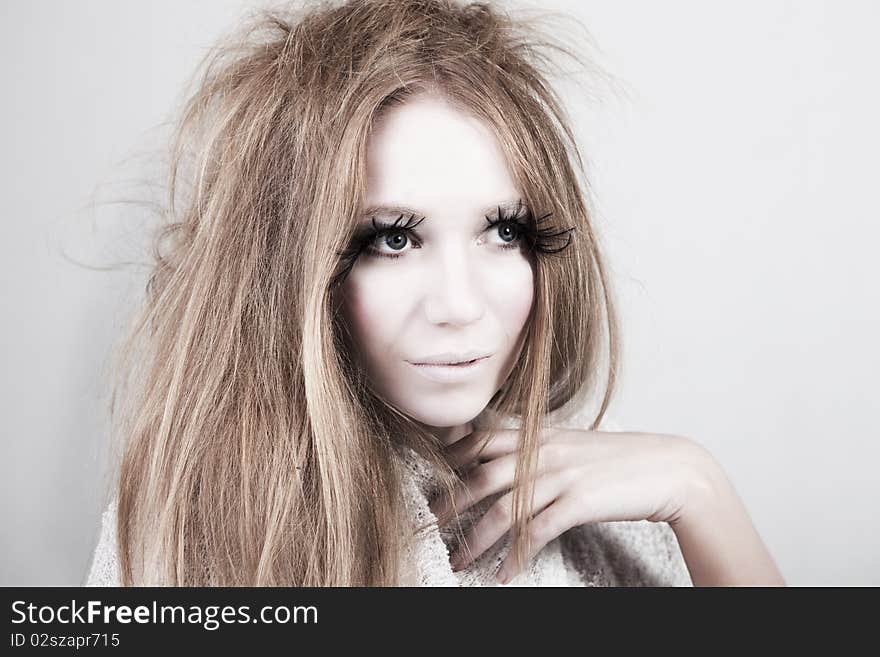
510, 206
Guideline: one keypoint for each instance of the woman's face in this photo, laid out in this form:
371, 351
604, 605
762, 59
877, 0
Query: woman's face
452, 287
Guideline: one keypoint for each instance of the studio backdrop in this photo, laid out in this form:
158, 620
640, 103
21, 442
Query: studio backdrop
732, 155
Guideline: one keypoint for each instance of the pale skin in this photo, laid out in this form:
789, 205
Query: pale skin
597, 476
452, 285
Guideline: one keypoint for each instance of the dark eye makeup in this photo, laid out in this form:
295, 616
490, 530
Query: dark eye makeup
519, 222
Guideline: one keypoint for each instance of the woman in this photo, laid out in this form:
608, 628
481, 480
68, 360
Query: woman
374, 328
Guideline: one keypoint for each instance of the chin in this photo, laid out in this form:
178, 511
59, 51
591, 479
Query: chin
448, 415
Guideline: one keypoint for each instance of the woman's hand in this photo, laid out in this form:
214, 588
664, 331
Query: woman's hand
582, 477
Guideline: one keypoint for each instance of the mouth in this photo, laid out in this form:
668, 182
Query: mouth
464, 363
448, 373
453, 358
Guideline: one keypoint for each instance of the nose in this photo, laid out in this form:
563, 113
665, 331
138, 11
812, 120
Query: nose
454, 293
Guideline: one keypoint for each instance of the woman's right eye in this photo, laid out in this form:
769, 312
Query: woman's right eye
394, 240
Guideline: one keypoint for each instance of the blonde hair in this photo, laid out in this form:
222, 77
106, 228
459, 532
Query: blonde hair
255, 454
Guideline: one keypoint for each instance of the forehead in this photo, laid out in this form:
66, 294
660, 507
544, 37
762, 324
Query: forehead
428, 156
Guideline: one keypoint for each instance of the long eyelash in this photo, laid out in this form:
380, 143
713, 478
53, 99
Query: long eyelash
362, 241
540, 240
365, 239
544, 241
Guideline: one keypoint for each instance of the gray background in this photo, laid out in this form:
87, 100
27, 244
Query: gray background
733, 158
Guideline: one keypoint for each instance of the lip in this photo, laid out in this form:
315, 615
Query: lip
450, 373
452, 357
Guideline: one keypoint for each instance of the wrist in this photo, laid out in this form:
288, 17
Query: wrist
718, 541
705, 488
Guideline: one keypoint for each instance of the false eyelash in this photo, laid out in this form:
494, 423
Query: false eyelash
367, 237
537, 239
361, 240
540, 240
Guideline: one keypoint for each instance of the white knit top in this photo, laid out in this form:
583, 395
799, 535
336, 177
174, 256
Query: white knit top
625, 553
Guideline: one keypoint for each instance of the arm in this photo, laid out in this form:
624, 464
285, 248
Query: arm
588, 477
718, 541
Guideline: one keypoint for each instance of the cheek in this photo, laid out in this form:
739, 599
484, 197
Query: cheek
515, 295
372, 311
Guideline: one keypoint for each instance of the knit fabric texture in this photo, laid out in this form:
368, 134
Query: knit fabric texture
625, 553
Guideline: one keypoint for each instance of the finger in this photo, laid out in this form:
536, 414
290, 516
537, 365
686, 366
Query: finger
475, 446
556, 519
498, 519
492, 477
482, 446
483, 480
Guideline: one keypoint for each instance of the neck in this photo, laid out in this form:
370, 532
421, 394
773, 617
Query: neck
449, 435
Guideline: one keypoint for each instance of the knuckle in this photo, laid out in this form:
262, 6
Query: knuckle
478, 477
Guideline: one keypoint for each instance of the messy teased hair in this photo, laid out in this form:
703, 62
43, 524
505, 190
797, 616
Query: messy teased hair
253, 452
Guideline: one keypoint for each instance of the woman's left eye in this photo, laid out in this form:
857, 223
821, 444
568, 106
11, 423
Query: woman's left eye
509, 231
